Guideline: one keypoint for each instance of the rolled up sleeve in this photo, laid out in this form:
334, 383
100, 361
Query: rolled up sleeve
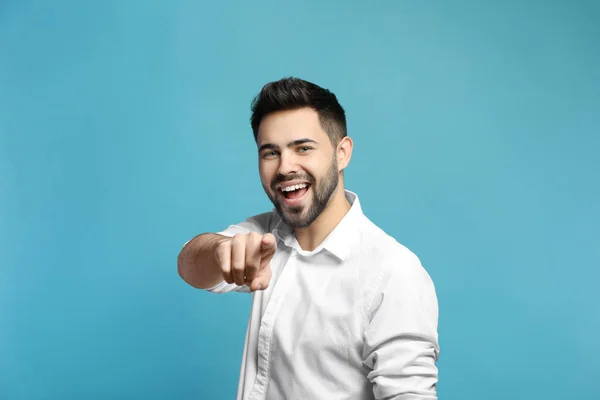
401, 341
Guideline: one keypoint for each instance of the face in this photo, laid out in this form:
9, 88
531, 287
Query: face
297, 164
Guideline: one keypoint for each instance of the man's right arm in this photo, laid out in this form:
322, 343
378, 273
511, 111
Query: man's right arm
197, 264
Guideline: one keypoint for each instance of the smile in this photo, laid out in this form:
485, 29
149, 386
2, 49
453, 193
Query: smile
293, 195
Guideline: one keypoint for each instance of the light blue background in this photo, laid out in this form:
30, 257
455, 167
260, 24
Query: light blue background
124, 132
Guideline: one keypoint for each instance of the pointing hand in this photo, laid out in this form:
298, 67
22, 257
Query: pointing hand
245, 259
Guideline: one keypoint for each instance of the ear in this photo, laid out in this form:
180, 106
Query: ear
344, 152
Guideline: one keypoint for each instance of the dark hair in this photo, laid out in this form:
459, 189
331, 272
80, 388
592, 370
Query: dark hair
293, 93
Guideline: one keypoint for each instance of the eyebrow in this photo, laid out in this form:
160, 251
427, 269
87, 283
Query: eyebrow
290, 144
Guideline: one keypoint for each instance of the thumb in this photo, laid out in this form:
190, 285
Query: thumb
268, 244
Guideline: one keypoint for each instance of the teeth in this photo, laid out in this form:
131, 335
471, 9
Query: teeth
294, 187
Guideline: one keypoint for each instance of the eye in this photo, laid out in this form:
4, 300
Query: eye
304, 149
269, 154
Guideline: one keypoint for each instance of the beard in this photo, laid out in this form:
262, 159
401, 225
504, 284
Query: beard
322, 191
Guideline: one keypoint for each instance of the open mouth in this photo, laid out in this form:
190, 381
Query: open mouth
295, 192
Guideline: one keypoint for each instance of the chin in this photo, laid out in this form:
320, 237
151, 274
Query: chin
303, 219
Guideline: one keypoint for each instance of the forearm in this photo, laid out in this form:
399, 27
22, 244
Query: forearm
197, 264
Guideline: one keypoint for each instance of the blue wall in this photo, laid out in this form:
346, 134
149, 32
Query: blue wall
124, 131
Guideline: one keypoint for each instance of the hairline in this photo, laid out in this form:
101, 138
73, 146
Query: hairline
329, 125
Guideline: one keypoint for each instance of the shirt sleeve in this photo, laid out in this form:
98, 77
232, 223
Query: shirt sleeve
258, 224
401, 341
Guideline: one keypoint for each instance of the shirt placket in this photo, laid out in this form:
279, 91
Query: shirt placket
265, 334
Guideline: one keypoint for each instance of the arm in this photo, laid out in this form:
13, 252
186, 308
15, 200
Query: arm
401, 346
197, 264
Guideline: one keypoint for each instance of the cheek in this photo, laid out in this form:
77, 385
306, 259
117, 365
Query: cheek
320, 172
265, 175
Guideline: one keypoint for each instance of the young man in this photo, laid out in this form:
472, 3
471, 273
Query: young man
340, 309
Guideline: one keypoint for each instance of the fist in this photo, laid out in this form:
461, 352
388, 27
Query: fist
245, 259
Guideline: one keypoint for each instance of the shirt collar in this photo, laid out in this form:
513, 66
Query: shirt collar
340, 240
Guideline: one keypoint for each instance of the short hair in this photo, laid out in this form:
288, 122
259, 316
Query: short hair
293, 93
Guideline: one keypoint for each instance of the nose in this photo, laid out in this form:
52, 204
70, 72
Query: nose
287, 164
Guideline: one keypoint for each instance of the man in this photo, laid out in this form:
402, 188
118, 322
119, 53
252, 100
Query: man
340, 309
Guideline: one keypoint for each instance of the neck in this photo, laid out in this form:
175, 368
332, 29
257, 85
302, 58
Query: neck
311, 237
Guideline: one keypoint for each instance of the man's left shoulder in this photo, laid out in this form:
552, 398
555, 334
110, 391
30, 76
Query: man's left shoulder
387, 253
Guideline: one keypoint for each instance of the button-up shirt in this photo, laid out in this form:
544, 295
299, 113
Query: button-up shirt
356, 318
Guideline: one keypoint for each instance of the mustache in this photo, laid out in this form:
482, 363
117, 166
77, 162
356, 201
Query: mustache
286, 178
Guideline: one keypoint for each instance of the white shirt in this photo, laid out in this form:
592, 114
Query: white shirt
356, 318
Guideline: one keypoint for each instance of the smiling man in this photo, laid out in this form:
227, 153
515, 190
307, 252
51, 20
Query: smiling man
340, 309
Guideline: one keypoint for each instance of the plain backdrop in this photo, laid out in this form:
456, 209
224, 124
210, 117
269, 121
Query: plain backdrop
124, 131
